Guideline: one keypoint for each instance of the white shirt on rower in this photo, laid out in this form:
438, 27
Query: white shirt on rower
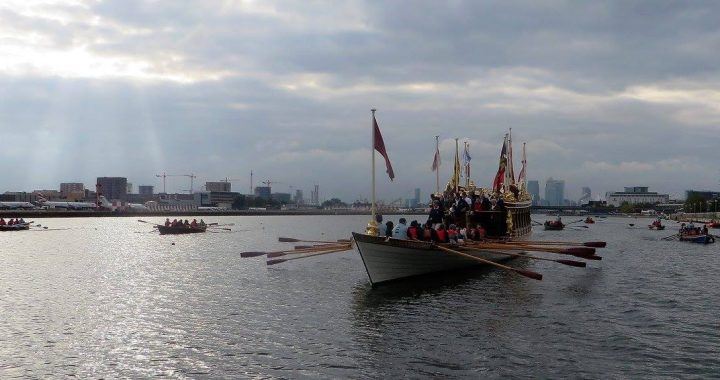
400, 231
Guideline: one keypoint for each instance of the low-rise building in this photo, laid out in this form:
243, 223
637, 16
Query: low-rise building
635, 195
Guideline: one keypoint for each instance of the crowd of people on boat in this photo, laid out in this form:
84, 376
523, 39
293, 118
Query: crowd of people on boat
691, 230
11, 222
185, 224
657, 223
428, 232
454, 217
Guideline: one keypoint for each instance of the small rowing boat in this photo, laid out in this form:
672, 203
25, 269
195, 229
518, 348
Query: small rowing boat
589, 220
555, 225
179, 230
15, 227
700, 239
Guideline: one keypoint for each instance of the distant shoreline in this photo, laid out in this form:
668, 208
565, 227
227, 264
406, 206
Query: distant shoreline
105, 214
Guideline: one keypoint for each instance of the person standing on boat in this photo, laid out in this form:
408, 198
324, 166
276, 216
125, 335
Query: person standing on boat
202, 223
436, 215
401, 230
704, 229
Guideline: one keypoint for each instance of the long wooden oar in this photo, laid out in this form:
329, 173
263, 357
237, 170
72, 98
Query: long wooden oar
278, 261
582, 252
307, 250
287, 251
145, 221
595, 244
572, 263
522, 272
293, 240
220, 225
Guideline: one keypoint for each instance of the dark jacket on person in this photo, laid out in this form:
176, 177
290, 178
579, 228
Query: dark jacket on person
435, 216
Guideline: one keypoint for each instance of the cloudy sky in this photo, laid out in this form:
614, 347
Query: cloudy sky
606, 94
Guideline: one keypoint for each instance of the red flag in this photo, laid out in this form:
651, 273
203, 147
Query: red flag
500, 176
380, 147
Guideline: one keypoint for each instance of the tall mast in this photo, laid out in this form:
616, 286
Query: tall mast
437, 169
467, 167
372, 152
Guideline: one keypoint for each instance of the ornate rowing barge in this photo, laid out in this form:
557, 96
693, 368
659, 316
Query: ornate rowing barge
387, 259
180, 230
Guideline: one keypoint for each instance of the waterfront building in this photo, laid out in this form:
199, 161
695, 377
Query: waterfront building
222, 199
221, 186
263, 192
113, 188
299, 197
315, 196
70, 188
706, 195
635, 195
533, 187
555, 192
129, 188
18, 196
146, 190
586, 196
282, 197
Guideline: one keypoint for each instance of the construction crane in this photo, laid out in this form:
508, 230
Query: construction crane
165, 175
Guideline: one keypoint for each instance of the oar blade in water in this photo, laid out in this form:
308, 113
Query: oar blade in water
595, 244
579, 251
276, 261
529, 274
572, 263
252, 254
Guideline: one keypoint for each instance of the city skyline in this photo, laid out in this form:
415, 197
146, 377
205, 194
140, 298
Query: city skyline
606, 95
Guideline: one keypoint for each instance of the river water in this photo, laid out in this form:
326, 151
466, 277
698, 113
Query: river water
107, 297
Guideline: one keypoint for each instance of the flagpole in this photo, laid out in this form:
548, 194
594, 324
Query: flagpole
437, 168
372, 150
467, 167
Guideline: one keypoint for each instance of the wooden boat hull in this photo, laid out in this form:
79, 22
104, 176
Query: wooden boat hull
393, 259
180, 230
699, 239
15, 227
659, 228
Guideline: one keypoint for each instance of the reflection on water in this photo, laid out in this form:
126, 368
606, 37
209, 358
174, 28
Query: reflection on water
110, 298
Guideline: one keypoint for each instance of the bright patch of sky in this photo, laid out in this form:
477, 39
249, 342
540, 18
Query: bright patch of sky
606, 95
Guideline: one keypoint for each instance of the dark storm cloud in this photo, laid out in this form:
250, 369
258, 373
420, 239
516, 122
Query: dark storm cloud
607, 94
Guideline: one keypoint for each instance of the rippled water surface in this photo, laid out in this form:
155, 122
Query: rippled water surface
107, 297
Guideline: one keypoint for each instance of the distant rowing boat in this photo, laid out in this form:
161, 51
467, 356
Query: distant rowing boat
700, 239
553, 225
180, 230
15, 227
